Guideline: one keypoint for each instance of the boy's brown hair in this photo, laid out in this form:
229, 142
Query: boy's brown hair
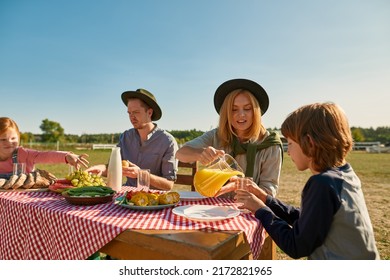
326, 125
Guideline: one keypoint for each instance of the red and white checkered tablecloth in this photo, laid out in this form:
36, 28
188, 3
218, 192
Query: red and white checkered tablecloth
43, 225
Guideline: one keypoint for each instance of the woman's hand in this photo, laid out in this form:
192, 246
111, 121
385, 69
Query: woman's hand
210, 154
229, 187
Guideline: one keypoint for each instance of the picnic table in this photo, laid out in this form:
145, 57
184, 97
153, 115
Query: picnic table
44, 226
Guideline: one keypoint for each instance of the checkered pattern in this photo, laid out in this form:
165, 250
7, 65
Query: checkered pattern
42, 225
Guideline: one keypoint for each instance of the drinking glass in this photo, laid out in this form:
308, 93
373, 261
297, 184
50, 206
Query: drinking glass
71, 169
242, 184
19, 168
143, 179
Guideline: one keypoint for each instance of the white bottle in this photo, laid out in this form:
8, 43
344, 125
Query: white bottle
114, 173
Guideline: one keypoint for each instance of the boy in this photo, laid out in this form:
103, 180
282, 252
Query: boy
333, 221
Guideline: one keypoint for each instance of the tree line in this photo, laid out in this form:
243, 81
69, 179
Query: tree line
53, 132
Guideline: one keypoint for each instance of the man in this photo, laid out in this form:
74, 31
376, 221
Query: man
145, 146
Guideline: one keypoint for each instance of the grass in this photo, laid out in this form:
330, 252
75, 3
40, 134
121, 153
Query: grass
372, 169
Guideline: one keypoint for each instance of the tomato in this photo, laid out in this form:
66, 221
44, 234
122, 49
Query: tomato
129, 195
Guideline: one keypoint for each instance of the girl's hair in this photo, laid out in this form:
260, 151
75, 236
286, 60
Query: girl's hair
226, 130
327, 125
7, 123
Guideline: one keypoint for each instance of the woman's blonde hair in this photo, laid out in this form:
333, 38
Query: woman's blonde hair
225, 128
323, 133
7, 123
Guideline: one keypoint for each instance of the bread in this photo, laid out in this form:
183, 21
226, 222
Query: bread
40, 181
36, 180
2, 182
47, 175
20, 181
10, 182
30, 181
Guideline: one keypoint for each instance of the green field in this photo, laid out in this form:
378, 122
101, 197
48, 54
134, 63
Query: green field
373, 170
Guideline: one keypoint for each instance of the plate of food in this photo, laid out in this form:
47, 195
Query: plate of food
88, 195
147, 208
206, 213
140, 200
190, 196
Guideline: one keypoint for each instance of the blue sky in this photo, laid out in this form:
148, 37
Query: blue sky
69, 61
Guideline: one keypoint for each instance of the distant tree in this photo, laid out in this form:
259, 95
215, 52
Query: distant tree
383, 134
357, 134
183, 136
380, 134
52, 131
26, 137
71, 138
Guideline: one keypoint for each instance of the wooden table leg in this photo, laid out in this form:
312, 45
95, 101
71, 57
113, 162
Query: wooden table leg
268, 252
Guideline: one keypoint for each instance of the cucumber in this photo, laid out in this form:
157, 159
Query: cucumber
100, 191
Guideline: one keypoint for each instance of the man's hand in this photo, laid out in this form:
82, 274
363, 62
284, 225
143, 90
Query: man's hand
129, 169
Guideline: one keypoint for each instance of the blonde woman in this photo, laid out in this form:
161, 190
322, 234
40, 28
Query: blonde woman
240, 133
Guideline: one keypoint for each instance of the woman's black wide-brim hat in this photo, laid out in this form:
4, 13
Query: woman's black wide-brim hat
145, 96
228, 86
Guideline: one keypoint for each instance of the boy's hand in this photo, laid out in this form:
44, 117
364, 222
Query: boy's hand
249, 201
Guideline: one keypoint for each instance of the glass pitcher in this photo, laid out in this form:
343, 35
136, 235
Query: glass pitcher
210, 179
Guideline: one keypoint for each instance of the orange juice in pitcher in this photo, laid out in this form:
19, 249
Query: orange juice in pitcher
209, 181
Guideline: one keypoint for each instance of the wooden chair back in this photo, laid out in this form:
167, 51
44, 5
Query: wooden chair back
187, 178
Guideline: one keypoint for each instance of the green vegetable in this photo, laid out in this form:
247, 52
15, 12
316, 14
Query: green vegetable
90, 191
92, 194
